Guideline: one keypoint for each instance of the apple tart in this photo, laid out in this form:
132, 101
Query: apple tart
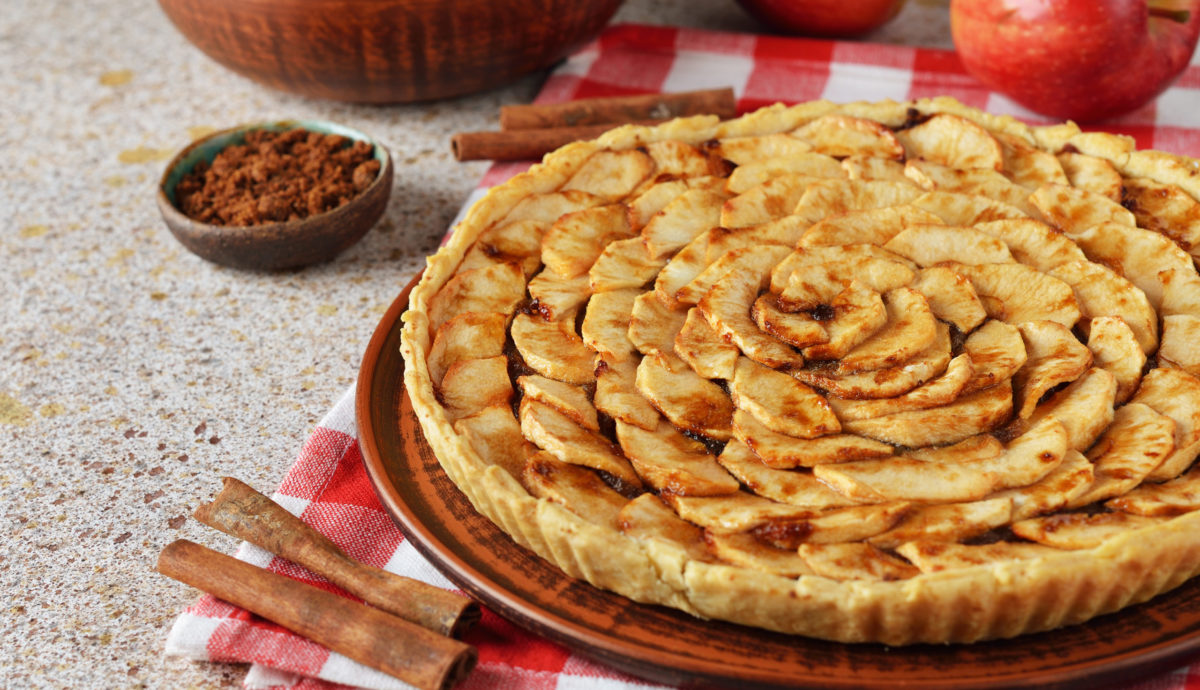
891, 372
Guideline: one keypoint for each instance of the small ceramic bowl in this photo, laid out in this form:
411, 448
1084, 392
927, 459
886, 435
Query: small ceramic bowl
274, 246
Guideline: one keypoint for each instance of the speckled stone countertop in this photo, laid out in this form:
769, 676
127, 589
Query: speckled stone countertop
134, 374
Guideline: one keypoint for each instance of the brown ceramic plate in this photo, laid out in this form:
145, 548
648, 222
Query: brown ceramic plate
672, 647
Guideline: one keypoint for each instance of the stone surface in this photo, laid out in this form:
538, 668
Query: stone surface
134, 374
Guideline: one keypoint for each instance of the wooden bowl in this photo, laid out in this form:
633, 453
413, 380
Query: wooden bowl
387, 51
274, 246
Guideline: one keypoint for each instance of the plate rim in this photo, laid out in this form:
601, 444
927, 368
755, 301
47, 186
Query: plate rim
1129, 665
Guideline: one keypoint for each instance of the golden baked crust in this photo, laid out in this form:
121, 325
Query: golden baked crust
892, 372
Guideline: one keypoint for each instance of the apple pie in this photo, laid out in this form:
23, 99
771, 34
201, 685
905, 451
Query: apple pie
892, 372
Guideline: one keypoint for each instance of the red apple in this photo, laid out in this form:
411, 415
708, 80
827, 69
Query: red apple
1083, 60
841, 18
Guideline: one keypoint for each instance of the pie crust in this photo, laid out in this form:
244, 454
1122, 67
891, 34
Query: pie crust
888, 372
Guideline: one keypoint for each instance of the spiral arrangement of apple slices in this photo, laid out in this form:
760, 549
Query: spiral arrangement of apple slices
854, 348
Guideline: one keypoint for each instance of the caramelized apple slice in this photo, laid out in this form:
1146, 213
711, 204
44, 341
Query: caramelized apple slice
1028, 165
997, 352
1074, 210
795, 329
825, 198
977, 181
936, 556
652, 326
1054, 357
972, 449
1092, 174
617, 395
947, 522
884, 383
1065, 483
1176, 497
1101, 292
834, 526
1165, 209
871, 226
495, 289
754, 173
549, 207
855, 562
647, 517
785, 486
910, 330
841, 136
966, 209
1033, 243
556, 433
575, 241
552, 349
780, 451
1176, 394
704, 351
1015, 293
678, 159
1136, 443
575, 488
952, 141
605, 326
495, 436
875, 267
519, 243
1032, 455
687, 216
684, 397
1115, 349
1180, 347
670, 462
736, 512
744, 150
557, 298
968, 415
1085, 407
470, 385
950, 297
469, 335
1079, 530
612, 174
567, 399
726, 307
623, 264
780, 402
747, 551
773, 199
858, 314
860, 167
927, 245
907, 479
752, 261
1143, 257
939, 391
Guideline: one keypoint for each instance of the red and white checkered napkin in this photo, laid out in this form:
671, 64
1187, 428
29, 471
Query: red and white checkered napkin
328, 485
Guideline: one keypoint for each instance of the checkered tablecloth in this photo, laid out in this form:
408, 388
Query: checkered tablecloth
328, 485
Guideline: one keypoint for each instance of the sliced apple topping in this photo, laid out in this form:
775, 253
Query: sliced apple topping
652, 326
872, 226
1165, 209
567, 399
855, 562
617, 394
1137, 442
743, 150
785, 486
1032, 455
884, 383
687, 216
997, 352
654, 198
577, 489
1085, 407
552, 349
754, 173
549, 207
678, 159
519, 242
927, 245
1180, 292
1101, 292
775, 198
670, 462
968, 415
780, 402
1115, 349
684, 397
1027, 165
1074, 210
896, 479
575, 241
825, 198
748, 551
834, 526
473, 384
966, 209
753, 260
612, 174
495, 436
1015, 293
1175, 394
841, 136
1062, 485
557, 298
982, 182
496, 289
875, 267
726, 307
1180, 346
939, 391
934, 556
1176, 497
858, 314
972, 449
796, 329
647, 517
466, 336
704, 351
910, 330
950, 297
780, 451
1079, 530
606, 324
623, 264
556, 433
1033, 243
736, 512
1054, 357
860, 167
1143, 257
947, 522
1093, 174
952, 141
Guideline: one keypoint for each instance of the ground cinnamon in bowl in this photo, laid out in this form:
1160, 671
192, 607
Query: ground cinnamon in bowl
277, 176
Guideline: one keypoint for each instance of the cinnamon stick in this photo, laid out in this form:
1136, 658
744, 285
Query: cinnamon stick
619, 109
372, 637
240, 511
524, 144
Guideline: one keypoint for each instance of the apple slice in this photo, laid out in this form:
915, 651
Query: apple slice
937, 556
611, 174
623, 264
1080, 530
841, 136
907, 479
871, 226
834, 526
1028, 165
652, 326
796, 329
704, 351
726, 307
1165, 209
968, 415
655, 197
680, 221
754, 173
466, 336
1175, 394
1054, 357
556, 433
567, 399
968, 450
780, 402
884, 383
518, 242
782, 452
678, 159
574, 241
736, 512
952, 141
983, 182
552, 349
755, 259
1085, 407
550, 206
997, 352
494, 289
773, 199
648, 518
691, 402
1033, 243
494, 434
940, 391
910, 330
858, 313
1115, 349
947, 522
1072, 210
1015, 293
927, 245
950, 297
605, 326
747, 551
1101, 292
1180, 339
744, 150
470, 385
670, 462
1178, 496
785, 486
861, 167
557, 298
1068, 480
1141, 256
1030, 456
855, 562
1136, 443
617, 394
1092, 174
825, 198
875, 267
966, 209
575, 488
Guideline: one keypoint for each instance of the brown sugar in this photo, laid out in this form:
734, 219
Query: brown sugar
277, 176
